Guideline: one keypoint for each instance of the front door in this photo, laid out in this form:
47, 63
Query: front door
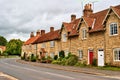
90, 57
100, 57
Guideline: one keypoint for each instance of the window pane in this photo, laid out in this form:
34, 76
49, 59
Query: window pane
113, 29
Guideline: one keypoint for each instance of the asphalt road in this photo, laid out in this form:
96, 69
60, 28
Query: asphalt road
29, 72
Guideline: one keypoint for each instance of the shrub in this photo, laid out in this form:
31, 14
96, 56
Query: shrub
56, 62
49, 59
55, 57
63, 62
69, 54
33, 58
5, 54
23, 57
72, 60
27, 58
62, 54
81, 64
94, 63
0, 53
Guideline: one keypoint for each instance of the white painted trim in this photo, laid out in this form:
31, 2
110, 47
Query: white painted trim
114, 56
93, 23
117, 29
88, 57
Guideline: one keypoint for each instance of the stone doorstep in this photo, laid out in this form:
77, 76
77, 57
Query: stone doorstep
7, 76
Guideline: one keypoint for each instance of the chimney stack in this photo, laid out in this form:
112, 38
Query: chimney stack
42, 32
87, 10
38, 33
73, 17
51, 29
31, 35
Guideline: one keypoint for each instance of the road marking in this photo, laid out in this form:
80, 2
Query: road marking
59, 75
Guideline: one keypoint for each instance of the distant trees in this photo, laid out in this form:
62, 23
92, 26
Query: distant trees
14, 47
3, 41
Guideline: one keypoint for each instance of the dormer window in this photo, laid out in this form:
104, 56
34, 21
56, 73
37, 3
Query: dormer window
84, 33
64, 37
113, 29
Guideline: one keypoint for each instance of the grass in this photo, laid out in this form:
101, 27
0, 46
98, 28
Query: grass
109, 68
9, 56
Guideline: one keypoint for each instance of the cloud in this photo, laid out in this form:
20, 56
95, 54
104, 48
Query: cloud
19, 17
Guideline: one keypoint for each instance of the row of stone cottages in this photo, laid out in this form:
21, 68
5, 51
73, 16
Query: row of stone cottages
94, 35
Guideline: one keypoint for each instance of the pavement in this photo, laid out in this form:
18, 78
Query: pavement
94, 71
6, 77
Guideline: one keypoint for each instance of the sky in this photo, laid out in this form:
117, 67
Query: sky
18, 18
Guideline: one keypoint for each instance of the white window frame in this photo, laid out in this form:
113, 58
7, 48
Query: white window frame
52, 55
52, 43
113, 32
64, 37
84, 33
80, 54
118, 54
43, 45
35, 46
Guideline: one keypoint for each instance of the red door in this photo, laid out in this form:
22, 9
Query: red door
90, 57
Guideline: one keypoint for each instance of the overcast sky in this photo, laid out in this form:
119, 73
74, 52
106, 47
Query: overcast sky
19, 17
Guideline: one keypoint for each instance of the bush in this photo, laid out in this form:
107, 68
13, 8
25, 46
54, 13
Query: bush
63, 62
69, 54
56, 62
94, 63
81, 64
49, 59
33, 58
5, 54
62, 54
55, 57
72, 60
23, 57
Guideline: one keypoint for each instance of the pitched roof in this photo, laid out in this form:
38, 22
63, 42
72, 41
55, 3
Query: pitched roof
31, 40
71, 27
48, 37
100, 16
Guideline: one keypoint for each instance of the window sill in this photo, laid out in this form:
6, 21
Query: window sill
116, 60
114, 35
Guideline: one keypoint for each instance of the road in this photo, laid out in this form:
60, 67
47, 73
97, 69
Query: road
29, 72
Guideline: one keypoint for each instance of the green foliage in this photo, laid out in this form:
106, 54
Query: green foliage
14, 47
33, 58
81, 64
56, 62
0, 53
62, 54
69, 55
3, 41
94, 63
23, 57
5, 54
63, 62
55, 57
72, 60
69, 60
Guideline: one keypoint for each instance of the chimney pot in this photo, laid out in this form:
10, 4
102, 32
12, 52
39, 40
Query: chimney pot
87, 10
38, 33
42, 32
31, 35
73, 17
51, 29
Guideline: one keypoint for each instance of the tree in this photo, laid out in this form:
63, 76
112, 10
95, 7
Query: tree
3, 41
14, 47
